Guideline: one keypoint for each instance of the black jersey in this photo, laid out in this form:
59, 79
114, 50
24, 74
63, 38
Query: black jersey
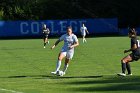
46, 31
135, 40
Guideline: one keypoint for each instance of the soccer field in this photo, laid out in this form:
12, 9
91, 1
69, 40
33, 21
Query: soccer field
25, 67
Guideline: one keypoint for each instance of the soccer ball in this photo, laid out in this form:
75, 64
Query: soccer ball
60, 73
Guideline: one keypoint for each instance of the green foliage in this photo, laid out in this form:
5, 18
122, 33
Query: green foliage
1, 14
126, 11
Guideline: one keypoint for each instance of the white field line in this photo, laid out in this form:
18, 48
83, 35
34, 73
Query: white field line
11, 91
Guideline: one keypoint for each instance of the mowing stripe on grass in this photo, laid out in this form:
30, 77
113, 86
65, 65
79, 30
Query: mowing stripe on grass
11, 91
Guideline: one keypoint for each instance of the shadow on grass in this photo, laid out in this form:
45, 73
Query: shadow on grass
4, 48
94, 83
68, 77
22, 76
50, 77
107, 84
117, 87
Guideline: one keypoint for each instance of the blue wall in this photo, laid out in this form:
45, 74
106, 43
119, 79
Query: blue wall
57, 27
124, 31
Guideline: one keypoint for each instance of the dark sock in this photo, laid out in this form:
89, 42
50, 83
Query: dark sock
44, 44
128, 68
123, 67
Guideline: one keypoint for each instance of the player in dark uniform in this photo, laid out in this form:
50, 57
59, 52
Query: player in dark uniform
46, 32
134, 56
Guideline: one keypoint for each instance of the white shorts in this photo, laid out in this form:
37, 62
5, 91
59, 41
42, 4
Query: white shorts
83, 34
68, 54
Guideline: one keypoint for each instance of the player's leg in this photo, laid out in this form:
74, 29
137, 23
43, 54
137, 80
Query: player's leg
69, 56
58, 64
44, 38
66, 65
83, 38
129, 59
128, 67
46, 41
125, 65
135, 57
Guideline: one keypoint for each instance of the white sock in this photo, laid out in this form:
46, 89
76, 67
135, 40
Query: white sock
65, 68
58, 65
85, 40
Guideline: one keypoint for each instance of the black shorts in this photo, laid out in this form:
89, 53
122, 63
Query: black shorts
45, 36
135, 57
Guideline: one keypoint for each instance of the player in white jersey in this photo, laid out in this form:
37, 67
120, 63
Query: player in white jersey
67, 51
84, 30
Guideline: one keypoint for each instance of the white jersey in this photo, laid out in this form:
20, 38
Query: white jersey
83, 30
69, 40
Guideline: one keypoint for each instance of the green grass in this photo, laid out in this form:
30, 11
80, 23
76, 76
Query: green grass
25, 67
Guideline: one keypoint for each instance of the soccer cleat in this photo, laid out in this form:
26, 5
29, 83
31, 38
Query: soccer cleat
129, 74
44, 47
54, 73
64, 73
121, 74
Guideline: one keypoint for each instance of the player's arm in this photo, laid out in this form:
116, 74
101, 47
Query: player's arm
87, 31
75, 44
133, 48
56, 43
59, 40
49, 31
